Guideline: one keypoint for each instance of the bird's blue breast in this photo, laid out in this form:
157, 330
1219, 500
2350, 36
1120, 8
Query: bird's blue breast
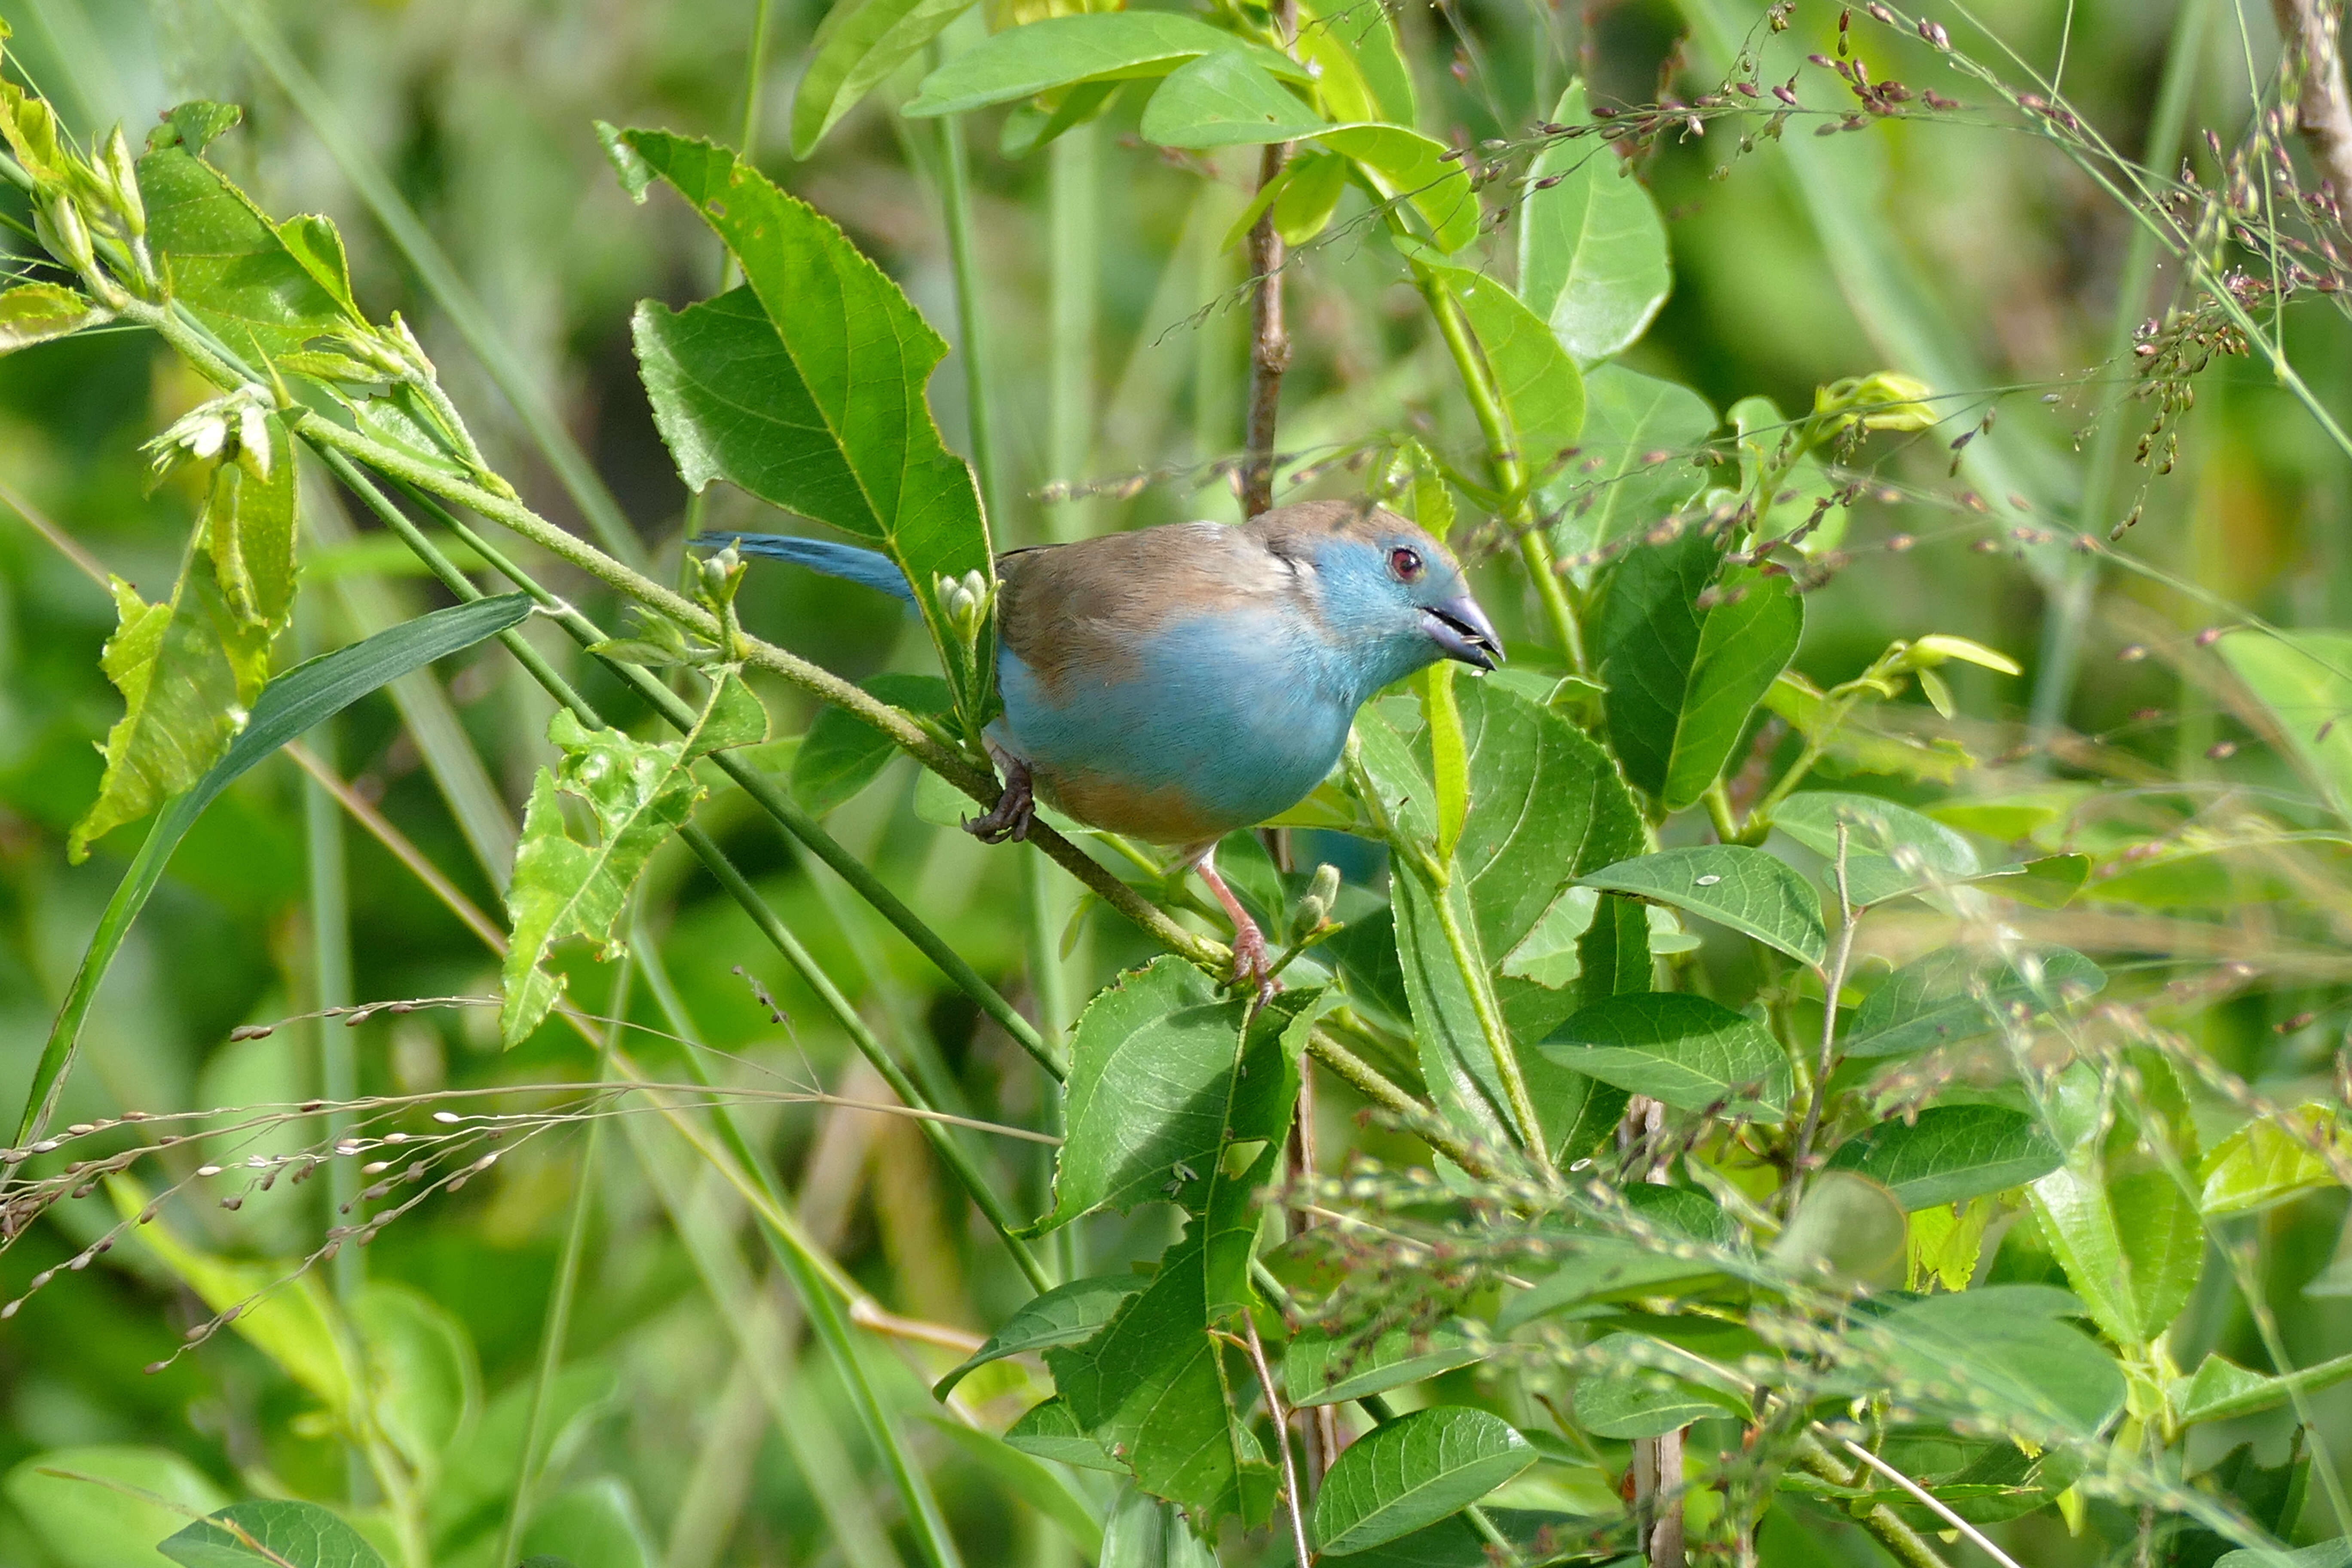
1211, 723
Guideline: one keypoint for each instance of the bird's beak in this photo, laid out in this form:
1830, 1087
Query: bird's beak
1461, 628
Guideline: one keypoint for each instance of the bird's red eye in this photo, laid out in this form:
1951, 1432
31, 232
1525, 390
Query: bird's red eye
1405, 564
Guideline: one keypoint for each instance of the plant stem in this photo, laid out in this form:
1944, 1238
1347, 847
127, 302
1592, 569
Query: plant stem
1295, 1504
1508, 472
1076, 217
1269, 336
557, 1328
1834, 980
1490, 1024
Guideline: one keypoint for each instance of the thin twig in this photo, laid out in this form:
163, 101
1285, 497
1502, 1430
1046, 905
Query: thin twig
1281, 1437
1834, 980
1928, 1499
1270, 338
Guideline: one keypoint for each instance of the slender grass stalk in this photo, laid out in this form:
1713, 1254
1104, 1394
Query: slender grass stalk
675, 711
971, 334
2062, 625
331, 986
1074, 220
441, 278
556, 1329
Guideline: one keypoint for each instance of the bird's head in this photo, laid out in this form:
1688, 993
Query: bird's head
1381, 587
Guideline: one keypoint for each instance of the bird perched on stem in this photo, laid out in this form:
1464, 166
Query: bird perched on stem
1181, 682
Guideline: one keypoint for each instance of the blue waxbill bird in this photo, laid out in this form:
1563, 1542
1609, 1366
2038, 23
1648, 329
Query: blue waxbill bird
1179, 682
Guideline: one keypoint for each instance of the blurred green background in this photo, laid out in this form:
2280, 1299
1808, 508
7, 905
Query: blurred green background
1969, 243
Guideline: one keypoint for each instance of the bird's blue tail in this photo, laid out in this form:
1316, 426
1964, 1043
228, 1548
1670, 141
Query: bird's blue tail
869, 567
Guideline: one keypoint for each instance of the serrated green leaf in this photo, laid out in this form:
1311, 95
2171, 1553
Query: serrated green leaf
1048, 1431
1318, 1368
1065, 1315
1950, 1154
638, 793
1682, 1049
805, 386
1225, 99
2264, 1164
1593, 249
2131, 1240
1687, 650
1731, 885
227, 262
1151, 1387
1413, 1471
271, 1533
195, 125
189, 670
1118, 46
2221, 1390
1162, 1079
1950, 995
858, 47
36, 312
1634, 465
250, 529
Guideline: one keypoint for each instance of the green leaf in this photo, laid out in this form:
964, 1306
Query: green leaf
425, 1384
805, 386
1629, 1399
595, 1525
2131, 1240
35, 313
860, 45
1689, 1052
1117, 46
1144, 1532
2223, 1391
1687, 650
1995, 1353
1544, 804
1404, 166
2336, 1553
1890, 849
1162, 1079
228, 263
1950, 1154
1049, 1431
1593, 249
189, 670
1357, 63
2306, 681
1846, 1228
1854, 745
249, 528
1602, 1263
1634, 466
1952, 994
288, 706
638, 793
271, 1533
1151, 1387
1413, 1471
1449, 757
1017, 1472
1731, 885
843, 753
2263, 1164
195, 125
85, 1524
1225, 98
1312, 185
1319, 1369
1065, 1315
1540, 385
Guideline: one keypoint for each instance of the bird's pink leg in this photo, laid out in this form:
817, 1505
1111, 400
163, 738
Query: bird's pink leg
1253, 967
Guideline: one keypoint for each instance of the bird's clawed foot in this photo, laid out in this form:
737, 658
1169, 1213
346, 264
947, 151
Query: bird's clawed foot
1016, 810
1253, 963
